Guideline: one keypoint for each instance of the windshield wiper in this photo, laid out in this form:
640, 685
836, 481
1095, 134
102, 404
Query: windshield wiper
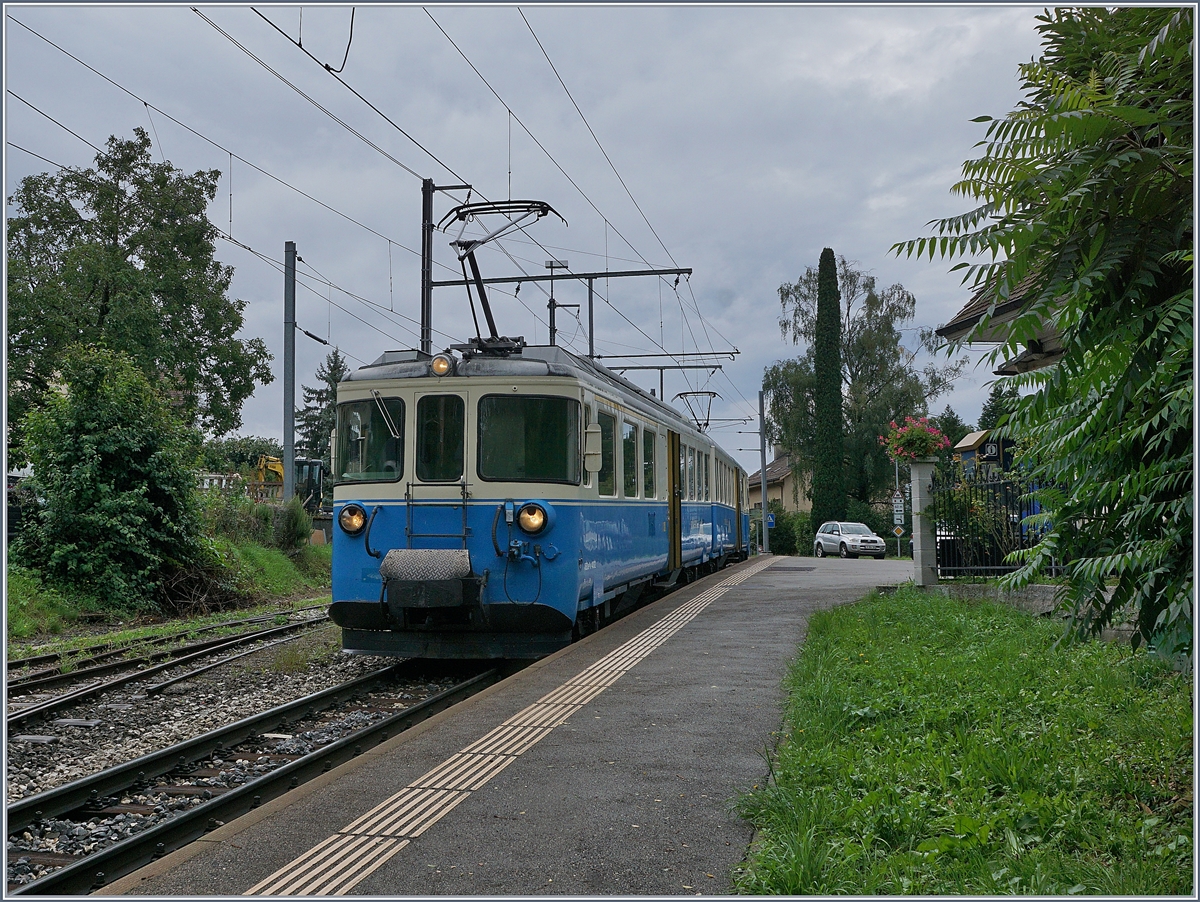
387, 418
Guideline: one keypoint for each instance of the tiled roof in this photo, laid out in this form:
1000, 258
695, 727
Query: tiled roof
971, 314
777, 471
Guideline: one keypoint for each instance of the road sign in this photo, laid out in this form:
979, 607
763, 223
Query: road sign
899, 531
770, 521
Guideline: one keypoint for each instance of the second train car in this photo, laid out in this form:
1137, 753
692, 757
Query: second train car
500, 506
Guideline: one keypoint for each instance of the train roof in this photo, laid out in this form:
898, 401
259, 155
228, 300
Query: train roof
534, 360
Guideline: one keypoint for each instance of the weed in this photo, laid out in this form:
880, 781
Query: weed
936, 747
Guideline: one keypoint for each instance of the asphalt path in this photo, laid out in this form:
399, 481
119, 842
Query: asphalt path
632, 792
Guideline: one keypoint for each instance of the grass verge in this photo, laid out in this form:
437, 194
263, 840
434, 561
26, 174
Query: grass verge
40, 612
935, 746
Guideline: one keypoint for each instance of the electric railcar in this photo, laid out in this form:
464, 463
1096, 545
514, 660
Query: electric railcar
500, 506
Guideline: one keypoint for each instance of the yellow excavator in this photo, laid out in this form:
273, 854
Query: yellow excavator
268, 480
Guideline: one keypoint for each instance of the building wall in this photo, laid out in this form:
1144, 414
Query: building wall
780, 490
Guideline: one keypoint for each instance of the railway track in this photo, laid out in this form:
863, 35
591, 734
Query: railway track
164, 800
25, 702
102, 651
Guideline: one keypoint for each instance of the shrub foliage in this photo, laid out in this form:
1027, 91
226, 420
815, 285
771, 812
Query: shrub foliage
1085, 209
113, 466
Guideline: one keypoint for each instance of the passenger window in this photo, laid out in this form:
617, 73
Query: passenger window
440, 434
707, 494
607, 475
691, 466
648, 439
629, 455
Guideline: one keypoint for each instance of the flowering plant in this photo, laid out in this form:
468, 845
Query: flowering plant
916, 438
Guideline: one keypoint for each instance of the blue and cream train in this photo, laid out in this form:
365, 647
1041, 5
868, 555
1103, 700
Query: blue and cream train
500, 506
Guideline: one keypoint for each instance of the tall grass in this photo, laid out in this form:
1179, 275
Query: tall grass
936, 746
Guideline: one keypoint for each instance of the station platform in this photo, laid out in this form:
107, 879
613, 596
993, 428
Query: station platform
611, 767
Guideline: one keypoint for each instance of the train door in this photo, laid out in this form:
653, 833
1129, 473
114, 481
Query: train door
674, 512
737, 478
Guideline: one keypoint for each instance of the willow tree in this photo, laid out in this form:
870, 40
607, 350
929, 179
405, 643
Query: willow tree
1084, 210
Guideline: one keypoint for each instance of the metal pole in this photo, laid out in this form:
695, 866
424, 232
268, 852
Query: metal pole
899, 539
762, 453
552, 329
427, 266
553, 265
591, 323
289, 370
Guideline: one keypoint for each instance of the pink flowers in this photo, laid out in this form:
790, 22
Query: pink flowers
916, 438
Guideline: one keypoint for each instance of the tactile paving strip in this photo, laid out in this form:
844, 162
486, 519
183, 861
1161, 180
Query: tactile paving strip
337, 865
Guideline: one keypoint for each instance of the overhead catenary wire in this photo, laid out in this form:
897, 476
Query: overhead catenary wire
55, 121
407, 135
229, 238
345, 84
217, 145
608, 159
584, 194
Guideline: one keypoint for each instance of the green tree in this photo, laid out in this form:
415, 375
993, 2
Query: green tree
1084, 199
237, 453
316, 420
879, 382
122, 255
951, 425
828, 483
114, 467
1001, 401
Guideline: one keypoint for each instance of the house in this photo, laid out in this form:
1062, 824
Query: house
1043, 349
782, 485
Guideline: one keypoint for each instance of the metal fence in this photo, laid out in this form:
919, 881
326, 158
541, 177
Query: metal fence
979, 520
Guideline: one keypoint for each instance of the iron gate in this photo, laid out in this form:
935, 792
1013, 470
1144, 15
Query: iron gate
979, 520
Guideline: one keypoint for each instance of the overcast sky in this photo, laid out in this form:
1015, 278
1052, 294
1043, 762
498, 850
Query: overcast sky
750, 137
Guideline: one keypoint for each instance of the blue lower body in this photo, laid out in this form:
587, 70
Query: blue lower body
524, 595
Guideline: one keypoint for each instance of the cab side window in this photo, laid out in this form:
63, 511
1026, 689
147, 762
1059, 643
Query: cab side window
629, 457
608, 435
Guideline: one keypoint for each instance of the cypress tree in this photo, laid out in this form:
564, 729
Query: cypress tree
828, 492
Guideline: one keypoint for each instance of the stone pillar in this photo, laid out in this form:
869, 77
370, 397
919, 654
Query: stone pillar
924, 538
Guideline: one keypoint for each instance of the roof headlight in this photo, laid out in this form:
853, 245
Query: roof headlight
352, 519
442, 365
532, 518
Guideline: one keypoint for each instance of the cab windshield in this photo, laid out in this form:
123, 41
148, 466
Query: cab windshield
370, 441
855, 529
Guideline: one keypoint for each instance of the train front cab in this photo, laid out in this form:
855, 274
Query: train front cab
472, 524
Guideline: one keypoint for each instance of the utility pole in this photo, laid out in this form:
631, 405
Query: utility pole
289, 370
427, 266
553, 305
592, 325
762, 452
427, 189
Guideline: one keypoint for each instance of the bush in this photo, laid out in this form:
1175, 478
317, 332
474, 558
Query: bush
292, 526
230, 513
114, 466
33, 607
793, 531
861, 512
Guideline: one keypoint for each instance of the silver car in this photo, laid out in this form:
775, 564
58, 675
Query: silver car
847, 540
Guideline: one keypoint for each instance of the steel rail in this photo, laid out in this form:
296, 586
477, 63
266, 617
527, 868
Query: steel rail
35, 683
107, 649
71, 698
74, 795
143, 848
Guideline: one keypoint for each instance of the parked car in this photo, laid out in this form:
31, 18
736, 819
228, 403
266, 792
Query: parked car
847, 540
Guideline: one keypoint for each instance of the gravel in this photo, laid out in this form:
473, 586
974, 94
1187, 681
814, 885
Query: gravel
133, 724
